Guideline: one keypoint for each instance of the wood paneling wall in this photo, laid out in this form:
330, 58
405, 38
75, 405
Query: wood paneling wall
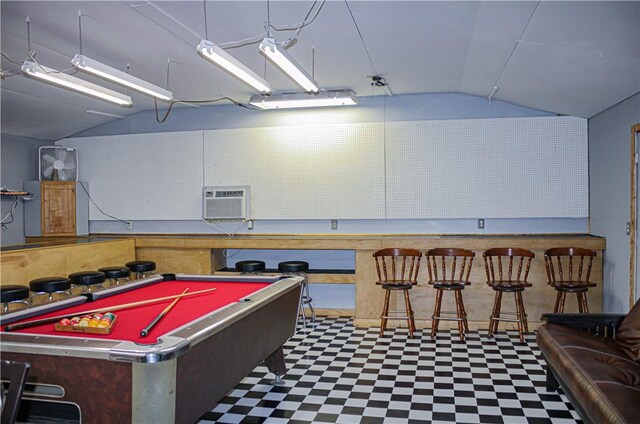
24, 265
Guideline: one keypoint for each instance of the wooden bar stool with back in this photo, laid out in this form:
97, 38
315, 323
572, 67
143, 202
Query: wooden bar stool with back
449, 269
507, 272
568, 271
397, 271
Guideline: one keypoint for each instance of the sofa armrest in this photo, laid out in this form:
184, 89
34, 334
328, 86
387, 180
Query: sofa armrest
600, 324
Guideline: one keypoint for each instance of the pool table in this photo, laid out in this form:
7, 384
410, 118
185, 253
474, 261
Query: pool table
198, 352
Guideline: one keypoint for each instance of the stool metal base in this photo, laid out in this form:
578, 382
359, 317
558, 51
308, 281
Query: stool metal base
5, 305
116, 281
50, 294
305, 300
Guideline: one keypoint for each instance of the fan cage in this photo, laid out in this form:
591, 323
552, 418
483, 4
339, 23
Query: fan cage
68, 157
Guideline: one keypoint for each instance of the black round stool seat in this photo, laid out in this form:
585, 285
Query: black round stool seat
87, 278
49, 284
293, 266
250, 266
115, 272
13, 292
141, 266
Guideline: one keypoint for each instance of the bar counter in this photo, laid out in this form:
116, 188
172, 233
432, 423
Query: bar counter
203, 254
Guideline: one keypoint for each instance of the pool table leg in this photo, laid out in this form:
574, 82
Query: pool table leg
275, 363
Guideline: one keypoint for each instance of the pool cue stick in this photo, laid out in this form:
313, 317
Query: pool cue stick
28, 324
161, 315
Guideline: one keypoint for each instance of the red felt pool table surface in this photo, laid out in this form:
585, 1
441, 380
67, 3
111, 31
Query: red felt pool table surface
131, 321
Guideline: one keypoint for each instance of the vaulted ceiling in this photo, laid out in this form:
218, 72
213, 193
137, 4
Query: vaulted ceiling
574, 58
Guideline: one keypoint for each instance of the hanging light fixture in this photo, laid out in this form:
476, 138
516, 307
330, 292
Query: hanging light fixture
60, 79
279, 57
300, 100
224, 60
93, 67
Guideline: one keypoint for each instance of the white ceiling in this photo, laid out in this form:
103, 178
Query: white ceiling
575, 58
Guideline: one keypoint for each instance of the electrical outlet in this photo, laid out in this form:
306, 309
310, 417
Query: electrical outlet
250, 224
129, 225
628, 228
481, 224
334, 224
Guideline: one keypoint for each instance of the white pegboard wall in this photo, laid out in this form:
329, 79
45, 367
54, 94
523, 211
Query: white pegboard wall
303, 172
143, 176
474, 168
488, 168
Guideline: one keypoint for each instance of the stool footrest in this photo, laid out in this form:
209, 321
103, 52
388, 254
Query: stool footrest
507, 319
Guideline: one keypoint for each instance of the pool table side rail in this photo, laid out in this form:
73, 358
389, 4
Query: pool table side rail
199, 329
123, 288
36, 310
223, 278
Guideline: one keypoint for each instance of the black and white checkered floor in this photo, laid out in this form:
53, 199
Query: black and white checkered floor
341, 374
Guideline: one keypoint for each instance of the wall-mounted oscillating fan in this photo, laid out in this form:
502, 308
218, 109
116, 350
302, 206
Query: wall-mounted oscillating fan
58, 163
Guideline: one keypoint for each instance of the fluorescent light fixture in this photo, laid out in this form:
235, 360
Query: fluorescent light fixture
93, 67
51, 76
286, 101
279, 57
224, 60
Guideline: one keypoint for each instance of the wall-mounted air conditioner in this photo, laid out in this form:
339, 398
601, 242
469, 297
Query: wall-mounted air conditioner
225, 203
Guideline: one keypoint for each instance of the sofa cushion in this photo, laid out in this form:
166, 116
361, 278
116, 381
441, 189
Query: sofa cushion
596, 371
628, 334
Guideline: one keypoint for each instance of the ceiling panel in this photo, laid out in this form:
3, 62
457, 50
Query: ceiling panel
575, 58
609, 27
567, 81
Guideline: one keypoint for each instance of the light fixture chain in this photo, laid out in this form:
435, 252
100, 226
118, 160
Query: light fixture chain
80, 29
361, 37
313, 61
29, 51
168, 67
206, 25
268, 19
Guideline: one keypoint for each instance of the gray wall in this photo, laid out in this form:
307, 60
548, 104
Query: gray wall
19, 157
410, 107
609, 182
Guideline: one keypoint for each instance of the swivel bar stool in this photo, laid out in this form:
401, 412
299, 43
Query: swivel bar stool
87, 279
449, 270
250, 267
507, 270
568, 271
115, 275
49, 286
141, 268
397, 271
300, 268
13, 293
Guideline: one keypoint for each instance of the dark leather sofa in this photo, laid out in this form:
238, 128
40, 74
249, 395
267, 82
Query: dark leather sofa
595, 359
